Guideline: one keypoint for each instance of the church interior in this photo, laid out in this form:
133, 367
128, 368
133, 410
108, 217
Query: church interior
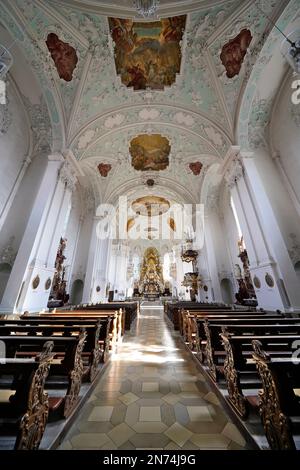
150, 225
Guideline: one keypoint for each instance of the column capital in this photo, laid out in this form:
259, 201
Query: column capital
246, 155
67, 176
55, 157
234, 171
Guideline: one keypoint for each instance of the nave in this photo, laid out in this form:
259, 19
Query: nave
152, 396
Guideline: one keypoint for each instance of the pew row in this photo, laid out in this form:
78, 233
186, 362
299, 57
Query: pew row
24, 415
110, 335
94, 347
130, 310
66, 371
279, 405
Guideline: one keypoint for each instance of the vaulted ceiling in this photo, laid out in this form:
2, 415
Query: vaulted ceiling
94, 116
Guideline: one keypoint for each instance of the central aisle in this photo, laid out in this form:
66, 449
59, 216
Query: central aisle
152, 396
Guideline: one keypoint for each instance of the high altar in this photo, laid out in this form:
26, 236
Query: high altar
151, 280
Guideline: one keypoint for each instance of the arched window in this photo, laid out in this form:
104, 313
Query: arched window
136, 266
236, 218
166, 267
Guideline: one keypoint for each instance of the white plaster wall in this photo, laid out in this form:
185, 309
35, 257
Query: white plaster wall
72, 234
285, 132
82, 251
231, 237
18, 215
285, 135
14, 145
283, 208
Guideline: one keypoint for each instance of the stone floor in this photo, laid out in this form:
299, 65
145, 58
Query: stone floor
152, 396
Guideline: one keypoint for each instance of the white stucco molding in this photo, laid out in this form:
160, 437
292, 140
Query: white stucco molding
233, 168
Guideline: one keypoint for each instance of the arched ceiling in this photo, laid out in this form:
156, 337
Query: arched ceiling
95, 116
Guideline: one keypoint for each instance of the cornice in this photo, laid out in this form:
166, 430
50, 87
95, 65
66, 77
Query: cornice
106, 9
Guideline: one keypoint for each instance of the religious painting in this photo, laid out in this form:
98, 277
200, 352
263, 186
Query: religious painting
269, 280
233, 53
63, 55
104, 169
150, 205
48, 283
36, 282
150, 152
195, 167
147, 54
256, 282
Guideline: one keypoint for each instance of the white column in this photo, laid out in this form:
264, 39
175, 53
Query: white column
14, 190
89, 276
286, 280
37, 252
212, 261
266, 250
206, 292
179, 272
121, 270
99, 270
72, 261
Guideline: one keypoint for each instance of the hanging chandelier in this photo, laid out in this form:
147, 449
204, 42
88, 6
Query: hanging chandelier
146, 8
291, 50
290, 47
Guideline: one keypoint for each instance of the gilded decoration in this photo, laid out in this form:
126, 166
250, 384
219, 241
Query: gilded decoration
147, 55
150, 152
151, 280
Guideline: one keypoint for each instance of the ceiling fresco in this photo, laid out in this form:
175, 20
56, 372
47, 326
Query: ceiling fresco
97, 106
150, 205
149, 152
147, 55
64, 56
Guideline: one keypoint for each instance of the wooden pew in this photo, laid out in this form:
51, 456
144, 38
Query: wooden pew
207, 339
187, 324
193, 331
279, 406
24, 416
116, 325
239, 367
108, 336
92, 353
130, 310
67, 368
173, 309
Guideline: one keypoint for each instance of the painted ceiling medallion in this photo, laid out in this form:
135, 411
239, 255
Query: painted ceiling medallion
195, 167
63, 55
233, 53
150, 152
104, 169
150, 205
147, 55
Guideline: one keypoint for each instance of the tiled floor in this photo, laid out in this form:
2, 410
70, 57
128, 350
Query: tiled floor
152, 397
